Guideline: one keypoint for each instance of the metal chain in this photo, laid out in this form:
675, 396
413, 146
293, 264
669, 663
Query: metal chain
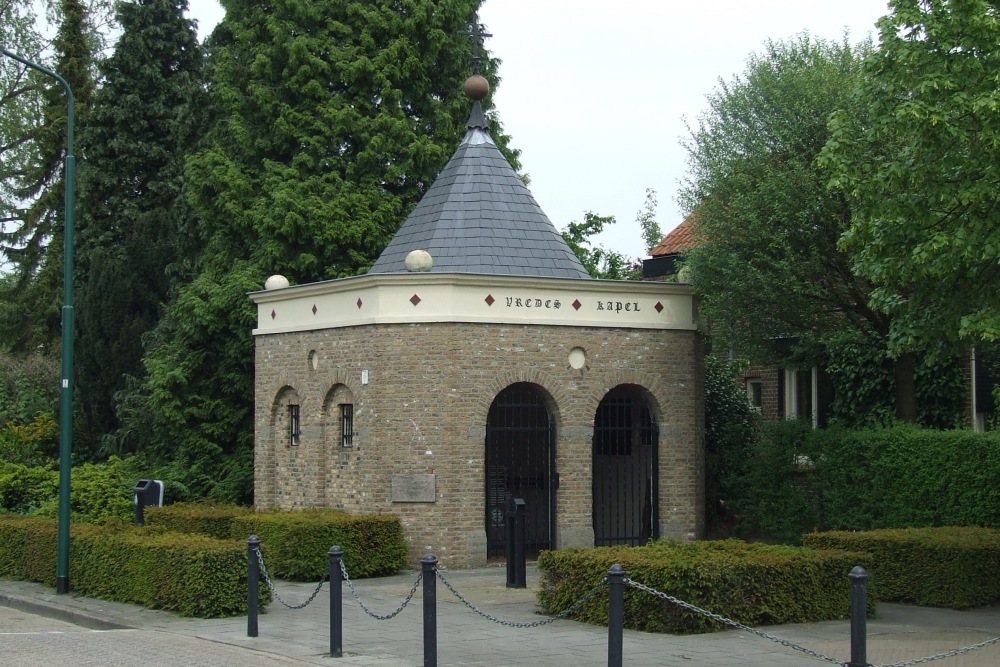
380, 617
516, 624
274, 591
949, 654
732, 623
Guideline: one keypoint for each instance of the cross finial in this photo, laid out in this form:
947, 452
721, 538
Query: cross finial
477, 32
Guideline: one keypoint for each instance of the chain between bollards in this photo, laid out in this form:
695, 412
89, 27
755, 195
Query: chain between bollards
429, 570
253, 574
334, 559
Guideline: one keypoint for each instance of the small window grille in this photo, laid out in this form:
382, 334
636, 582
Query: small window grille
294, 428
346, 425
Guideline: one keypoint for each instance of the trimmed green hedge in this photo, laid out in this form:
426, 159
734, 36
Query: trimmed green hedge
192, 575
295, 544
898, 477
208, 519
754, 584
938, 567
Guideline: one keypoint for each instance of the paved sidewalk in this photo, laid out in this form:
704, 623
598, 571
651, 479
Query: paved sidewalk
901, 633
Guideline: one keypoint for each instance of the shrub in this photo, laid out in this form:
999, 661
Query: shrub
23, 488
190, 574
210, 519
771, 490
937, 567
99, 492
31, 444
907, 477
752, 584
730, 432
295, 544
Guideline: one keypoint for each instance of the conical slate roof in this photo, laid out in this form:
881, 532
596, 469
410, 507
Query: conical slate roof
478, 217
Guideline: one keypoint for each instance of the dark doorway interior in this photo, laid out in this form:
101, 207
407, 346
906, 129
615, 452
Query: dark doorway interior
520, 435
625, 469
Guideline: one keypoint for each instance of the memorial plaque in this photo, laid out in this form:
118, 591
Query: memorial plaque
413, 489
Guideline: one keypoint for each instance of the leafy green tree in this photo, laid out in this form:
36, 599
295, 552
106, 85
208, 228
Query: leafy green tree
599, 261
731, 432
331, 120
34, 241
918, 154
20, 104
651, 234
134, 223
767, 265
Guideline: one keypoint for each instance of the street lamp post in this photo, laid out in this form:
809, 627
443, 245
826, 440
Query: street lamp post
66, 388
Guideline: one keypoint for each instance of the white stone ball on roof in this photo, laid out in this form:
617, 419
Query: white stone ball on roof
419, 261
276, 282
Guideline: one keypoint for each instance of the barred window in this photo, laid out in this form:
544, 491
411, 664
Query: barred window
346, 425
294, 428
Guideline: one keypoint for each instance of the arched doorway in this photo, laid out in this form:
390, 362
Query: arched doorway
520, 455
625, 465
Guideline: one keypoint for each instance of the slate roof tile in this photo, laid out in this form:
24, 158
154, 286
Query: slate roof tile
478, 217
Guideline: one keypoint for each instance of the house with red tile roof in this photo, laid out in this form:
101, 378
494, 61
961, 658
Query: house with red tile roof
790, 393
665, 254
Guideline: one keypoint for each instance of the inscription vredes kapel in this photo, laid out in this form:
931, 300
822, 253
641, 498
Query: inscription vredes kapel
556, 304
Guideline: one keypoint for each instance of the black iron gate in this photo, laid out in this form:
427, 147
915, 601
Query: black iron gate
625, 469
520, 463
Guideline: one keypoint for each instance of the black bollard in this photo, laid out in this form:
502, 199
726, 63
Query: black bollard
334, 558
253, 574
516, 558
616, 614
859, 617
429, 566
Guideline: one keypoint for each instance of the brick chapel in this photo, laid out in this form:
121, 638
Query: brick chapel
478, 361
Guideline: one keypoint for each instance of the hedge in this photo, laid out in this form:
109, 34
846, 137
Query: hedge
295, 544
754, 584
937, 567
898, 477
192, 575
907, 477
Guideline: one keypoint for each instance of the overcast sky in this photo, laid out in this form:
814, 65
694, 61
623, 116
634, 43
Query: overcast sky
595, 92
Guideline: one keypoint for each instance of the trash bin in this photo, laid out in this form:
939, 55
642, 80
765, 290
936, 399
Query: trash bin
146, 492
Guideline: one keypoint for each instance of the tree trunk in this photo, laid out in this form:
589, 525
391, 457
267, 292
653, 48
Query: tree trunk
906, 388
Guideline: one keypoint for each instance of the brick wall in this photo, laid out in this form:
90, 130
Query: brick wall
424, 409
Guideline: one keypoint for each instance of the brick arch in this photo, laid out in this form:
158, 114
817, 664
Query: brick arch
651, 385
282, 394
555, 396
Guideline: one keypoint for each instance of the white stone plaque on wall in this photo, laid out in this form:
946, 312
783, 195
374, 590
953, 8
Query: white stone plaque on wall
413, 489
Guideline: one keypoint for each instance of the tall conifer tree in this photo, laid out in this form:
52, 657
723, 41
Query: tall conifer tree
34, 242
333, 119
134, 223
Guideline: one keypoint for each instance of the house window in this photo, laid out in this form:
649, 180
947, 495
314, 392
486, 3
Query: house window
801, 394
755, 393
294, 428
346, 425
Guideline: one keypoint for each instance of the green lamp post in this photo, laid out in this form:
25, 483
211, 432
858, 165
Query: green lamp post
66, 389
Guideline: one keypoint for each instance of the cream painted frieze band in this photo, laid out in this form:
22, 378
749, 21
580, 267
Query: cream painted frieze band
429, 297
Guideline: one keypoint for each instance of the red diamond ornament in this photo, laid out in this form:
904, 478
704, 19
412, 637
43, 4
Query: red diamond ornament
577, 304
273, 314
489, 299
315, 309
359, 303
659, 307
414, 299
